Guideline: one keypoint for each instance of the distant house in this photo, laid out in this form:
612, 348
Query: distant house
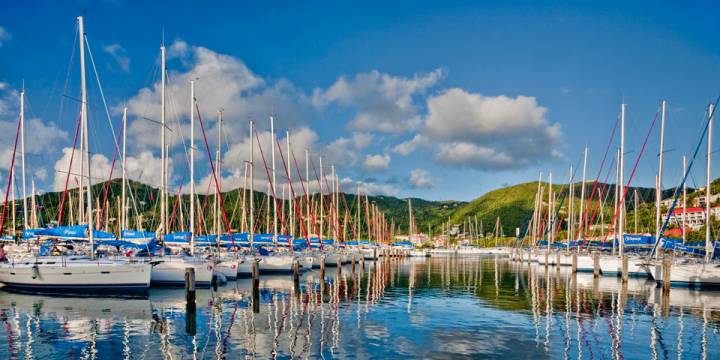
694, 216
700, 200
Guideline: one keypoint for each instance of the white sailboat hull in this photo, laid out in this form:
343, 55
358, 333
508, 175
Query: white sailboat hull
276, 264
690, 274
76, 274
227, 268
171, 272
419, 253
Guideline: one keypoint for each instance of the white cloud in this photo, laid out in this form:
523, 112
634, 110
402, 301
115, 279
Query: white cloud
377, 162
144, 167
222, 82
119, 54
420, 178
408, 147
5, 36
368, 187
486, 132
381, 102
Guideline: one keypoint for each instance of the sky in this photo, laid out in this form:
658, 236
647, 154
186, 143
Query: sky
437, 100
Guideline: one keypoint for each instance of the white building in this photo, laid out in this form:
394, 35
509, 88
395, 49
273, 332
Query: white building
694, 216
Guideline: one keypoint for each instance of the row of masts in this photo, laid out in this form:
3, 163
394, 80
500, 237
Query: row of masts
578, 224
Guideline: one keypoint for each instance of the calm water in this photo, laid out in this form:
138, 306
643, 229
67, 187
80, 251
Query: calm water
441, 307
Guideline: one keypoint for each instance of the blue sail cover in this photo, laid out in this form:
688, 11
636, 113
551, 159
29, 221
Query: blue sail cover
263, 238
74, 232
238, 238
284, 239
29, 234
402, 243
205, 240
137, 235
351, 243
328, 242
178, 237
364, 242
127, 244
639, 240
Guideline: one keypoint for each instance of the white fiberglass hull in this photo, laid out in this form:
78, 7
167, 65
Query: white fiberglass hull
306, 261
585, 263
333, 259
227, 268
419, 253
245, 264
76, 274
689, 273
369, 254
171, 272
276, 264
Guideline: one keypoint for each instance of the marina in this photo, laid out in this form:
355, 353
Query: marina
314, 181
480, 306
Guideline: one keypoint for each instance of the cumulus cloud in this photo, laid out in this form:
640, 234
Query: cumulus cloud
420, 178
486, 132
119, 54
408, 147
347, 151
368, 187
43, 139
222, 82
5, 36
381, 102
377, 162
144, 167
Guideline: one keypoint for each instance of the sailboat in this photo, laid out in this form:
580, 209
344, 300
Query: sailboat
76, 273
689, 271
171, 269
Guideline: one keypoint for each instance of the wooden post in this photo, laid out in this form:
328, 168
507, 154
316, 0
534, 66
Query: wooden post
190, 286
339, 264
352, 264
296, 275
557, 259
666, 271
625, 269
256, 286
190, 323
322, 268
547, 258
574, 263
596, 264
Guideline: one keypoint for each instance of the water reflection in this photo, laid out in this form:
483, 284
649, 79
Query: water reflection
430, 308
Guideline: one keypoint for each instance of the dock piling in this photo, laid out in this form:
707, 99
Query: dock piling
574, 263
666, 271
596, 265
190, 320
256, 286
625, 269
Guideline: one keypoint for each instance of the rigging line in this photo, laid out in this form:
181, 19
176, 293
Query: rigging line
214, 173
621, 201
678, 189
107, 113
602, 198
10, 177
305, 191
272, 187
67, 177
292, 194
322, 196
597, 177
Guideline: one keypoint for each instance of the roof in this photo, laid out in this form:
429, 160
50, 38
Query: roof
679, 211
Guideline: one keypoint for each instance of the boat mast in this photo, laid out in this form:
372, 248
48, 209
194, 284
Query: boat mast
274, 191
617, 191
123, 215
163, 150
322, 200
84, 120
251, 230
684, 204
550, 212
658, 189
22, 158
708, 242
291, 213
192, 167
218, 174
307, 192
621, 199
582, 197
571, 207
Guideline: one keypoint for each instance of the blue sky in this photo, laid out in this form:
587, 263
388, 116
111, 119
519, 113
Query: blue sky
491, 93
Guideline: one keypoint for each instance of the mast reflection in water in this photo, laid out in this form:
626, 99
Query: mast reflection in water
435, 307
